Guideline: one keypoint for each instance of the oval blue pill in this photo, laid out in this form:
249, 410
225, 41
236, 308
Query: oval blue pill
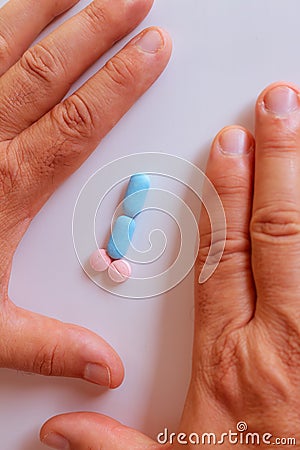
136, 193
121, 237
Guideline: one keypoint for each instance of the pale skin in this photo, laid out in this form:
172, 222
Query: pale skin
246, 346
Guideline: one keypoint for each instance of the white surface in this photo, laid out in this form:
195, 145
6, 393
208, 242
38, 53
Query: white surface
225, 53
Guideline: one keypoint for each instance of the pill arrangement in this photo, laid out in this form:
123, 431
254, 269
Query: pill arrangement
112, 258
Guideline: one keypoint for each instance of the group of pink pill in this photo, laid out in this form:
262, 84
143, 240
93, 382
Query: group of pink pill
112, 258
118, 270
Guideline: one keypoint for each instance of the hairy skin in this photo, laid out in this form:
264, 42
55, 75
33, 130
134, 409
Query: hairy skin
247, 334
43, 139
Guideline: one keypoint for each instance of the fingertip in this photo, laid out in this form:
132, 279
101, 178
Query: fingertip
52, 433
260, 103
167, 38
56, 424
103, 365
233, 140
86, 430
45, 430
167, 42
154, 43
117, 373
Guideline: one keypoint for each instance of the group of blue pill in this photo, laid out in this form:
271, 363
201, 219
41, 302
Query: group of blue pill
125, 225
121, 236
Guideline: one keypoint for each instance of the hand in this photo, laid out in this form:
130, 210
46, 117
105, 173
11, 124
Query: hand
246, 346
247, 315
43, 140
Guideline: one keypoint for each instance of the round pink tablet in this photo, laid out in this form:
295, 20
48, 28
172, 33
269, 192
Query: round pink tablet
119, 271
100, 260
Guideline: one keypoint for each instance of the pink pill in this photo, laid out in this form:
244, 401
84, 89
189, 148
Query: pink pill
119, 271
99, 260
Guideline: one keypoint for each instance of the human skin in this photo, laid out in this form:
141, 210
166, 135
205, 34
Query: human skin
43, 139
246, 355
246, 346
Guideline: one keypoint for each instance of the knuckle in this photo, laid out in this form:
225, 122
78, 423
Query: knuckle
280, 223
232, 187
47, 362
95, 14
281, 145
120, 73
74, 118
41, 63
236, 243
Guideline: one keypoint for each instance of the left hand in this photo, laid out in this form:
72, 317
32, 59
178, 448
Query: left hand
43, 139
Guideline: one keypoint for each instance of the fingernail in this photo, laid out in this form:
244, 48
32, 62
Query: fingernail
235, 141
57, 441
150, 41
281, 100
96, 373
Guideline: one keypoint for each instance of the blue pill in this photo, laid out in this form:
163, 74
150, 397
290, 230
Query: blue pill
136, 193
121, 237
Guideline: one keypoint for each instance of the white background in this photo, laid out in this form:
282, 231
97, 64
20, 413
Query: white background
225, 53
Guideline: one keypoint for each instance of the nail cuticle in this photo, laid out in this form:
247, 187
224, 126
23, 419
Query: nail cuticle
235, 155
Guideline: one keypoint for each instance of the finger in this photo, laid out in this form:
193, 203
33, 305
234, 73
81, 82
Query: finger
83, 431
21, 21
60, 141
38, 344
275, 226
46, 71
227, 298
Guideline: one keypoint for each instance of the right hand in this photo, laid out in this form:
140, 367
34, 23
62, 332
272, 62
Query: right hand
246, 356
44, 139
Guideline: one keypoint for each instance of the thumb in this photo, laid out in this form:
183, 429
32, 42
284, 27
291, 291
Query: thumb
38, 344
83, 431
